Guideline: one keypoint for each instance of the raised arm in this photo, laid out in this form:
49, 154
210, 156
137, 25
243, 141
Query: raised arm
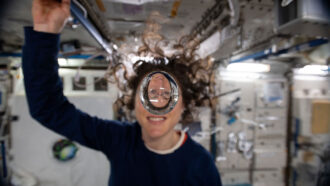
44, 91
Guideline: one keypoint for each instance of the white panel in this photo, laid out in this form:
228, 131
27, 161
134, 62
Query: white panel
302, 111
32, 143
272, 129
209, 46
268, 178
235, 177
262, 115
275, 123
270, 144
270, 153
235, 128
270, 159
245, 103
204, 115
276, 88
303, 82
234, 161
267, 183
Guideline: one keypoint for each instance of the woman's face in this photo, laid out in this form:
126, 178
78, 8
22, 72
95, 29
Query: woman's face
156, 126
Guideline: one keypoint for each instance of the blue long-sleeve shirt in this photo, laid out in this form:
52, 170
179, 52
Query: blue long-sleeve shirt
131, 162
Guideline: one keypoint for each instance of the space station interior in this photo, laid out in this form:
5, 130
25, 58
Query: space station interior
267, 121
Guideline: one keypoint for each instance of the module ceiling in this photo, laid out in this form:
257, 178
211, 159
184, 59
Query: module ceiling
122, 17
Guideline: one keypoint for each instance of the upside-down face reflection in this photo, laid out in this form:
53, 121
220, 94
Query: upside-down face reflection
159, 90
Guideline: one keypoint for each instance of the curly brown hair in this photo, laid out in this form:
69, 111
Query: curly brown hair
195, 90
194, 75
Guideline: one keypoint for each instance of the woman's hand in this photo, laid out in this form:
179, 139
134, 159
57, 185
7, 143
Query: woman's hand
50, 15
